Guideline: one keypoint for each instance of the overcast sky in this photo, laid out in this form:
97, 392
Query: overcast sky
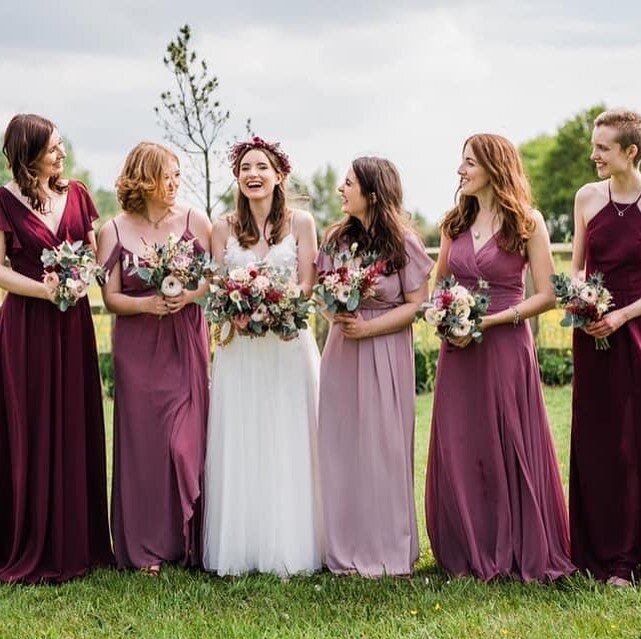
409, 80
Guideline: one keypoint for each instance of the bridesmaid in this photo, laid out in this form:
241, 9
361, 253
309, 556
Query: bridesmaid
494, 500
366, 413
160, 368
53, 498
605, 457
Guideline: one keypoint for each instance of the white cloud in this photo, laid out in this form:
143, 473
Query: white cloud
410, 84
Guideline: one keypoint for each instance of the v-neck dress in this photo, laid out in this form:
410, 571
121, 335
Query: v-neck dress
53, 497
160, 416
494, 501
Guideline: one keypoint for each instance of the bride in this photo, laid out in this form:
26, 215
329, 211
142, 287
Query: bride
261, 507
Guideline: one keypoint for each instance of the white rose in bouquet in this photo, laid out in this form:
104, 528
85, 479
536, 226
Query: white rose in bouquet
171, 286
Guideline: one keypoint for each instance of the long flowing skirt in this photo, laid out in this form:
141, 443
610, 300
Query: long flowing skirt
261, 504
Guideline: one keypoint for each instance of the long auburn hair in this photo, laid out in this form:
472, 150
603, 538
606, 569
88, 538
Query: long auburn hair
242, 221
380, 184
512, 194
25, 142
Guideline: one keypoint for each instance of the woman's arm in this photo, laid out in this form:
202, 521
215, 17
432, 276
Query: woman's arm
115, 300
20, 284
393, 321
581, 202
442, 269
306, 249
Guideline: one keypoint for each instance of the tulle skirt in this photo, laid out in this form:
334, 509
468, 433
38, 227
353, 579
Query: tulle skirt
261, 503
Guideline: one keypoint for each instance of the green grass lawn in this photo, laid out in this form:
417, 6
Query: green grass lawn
192, 604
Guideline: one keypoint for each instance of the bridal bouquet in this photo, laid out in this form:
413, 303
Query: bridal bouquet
169, 268
69, 269
254, 300
352, 280
456, 311
584, 302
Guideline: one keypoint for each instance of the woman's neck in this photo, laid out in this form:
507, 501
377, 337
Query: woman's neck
156, 212
626, 184
487, 204
260, 209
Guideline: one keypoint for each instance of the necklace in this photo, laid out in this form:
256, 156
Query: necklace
155, 223
476, 235
621, 212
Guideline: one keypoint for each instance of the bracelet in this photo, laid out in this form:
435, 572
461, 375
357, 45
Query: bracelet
517, 316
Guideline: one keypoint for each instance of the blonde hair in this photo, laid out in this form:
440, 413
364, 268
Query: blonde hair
141, 176
628, 125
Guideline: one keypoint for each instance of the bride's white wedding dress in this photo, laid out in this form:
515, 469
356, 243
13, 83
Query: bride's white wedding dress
261, 508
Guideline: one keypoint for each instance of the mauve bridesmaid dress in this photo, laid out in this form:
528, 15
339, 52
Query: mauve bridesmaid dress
605, 457
160, 417
366, 435
494, 500
53, 496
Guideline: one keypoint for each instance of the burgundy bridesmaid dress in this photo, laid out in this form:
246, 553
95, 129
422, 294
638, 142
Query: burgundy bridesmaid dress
494, 500
160, 416
605, 456
366, 435
53, 498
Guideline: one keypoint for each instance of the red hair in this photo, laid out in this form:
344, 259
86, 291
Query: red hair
512, 193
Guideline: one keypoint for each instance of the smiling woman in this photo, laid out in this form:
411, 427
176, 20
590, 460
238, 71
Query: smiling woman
605, 471
53, 519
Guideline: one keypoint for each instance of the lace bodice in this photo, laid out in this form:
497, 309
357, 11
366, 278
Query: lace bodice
282, 255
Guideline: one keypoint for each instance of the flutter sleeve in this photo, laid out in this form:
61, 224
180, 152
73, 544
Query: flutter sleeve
11, 238
419, 264
323, 261
88, 209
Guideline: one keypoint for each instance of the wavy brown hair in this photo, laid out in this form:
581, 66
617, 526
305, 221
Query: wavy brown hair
242, 221
512, 194
142, 176
26, 139
388, 222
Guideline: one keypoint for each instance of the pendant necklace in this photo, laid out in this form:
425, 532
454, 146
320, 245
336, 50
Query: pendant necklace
623, 211
155, 223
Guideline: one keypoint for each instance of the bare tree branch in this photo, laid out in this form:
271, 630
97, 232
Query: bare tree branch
192, 118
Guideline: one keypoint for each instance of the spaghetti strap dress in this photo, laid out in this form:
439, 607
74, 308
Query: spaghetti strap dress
160, 416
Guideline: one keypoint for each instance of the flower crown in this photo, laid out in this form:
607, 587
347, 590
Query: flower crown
240, 148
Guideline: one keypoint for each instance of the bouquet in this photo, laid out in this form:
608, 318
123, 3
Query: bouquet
584, 302
254, 300
169, 268
456, 311
352, 280
69, 269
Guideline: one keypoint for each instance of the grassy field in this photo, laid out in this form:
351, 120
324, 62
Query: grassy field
179, 604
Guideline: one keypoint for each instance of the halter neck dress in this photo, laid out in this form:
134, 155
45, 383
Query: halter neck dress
605, 457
